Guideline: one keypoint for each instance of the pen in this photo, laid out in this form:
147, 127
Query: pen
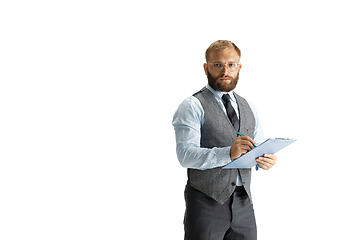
239, 134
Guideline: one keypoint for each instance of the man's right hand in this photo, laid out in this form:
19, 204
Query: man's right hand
240, 146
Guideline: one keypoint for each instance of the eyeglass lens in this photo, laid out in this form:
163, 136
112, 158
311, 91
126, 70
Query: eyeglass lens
220, 66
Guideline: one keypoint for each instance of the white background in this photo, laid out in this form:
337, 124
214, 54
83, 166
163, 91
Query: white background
87, 94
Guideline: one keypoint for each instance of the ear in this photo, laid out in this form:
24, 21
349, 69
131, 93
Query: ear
205, 68
240, 66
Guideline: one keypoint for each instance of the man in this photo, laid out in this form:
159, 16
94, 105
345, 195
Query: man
218, 202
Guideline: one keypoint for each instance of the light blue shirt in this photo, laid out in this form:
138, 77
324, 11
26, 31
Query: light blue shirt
187, 123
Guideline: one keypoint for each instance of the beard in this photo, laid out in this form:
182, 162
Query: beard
217, 85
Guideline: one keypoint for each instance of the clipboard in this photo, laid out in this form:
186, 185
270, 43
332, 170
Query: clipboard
270, 146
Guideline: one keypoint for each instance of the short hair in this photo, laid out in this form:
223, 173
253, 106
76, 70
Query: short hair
221, 45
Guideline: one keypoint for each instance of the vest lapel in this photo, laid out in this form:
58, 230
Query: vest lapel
215, 103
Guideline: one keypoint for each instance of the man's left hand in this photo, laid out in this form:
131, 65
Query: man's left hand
267, 161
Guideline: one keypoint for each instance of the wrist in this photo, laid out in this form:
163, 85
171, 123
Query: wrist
234, 154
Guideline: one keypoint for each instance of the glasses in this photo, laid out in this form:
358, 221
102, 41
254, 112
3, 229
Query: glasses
218, 66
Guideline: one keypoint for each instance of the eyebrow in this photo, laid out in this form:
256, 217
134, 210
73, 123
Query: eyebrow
222, 62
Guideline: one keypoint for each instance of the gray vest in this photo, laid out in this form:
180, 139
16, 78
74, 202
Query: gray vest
217, 131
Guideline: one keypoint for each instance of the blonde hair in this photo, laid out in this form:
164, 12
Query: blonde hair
221, 45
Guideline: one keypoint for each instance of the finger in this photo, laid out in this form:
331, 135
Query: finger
249, 144
250, 139
271, 156
267, 160
264, 165
261, 164
247, 138
245, 147
246, 143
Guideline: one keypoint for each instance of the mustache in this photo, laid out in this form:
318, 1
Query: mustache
225, 76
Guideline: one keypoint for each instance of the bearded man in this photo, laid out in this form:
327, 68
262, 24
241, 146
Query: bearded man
218, 201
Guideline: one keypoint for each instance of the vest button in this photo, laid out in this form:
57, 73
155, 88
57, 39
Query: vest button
233, 184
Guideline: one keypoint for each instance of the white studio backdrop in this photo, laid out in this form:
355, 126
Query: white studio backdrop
87, 94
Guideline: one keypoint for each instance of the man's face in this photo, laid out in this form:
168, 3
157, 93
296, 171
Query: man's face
224, 80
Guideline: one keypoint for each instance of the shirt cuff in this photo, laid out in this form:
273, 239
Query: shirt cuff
257, 167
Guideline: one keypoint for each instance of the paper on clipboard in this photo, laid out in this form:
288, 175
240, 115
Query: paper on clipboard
270, 146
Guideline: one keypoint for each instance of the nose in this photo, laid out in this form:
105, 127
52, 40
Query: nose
225, 70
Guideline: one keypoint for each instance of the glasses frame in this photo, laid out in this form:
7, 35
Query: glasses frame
225, 64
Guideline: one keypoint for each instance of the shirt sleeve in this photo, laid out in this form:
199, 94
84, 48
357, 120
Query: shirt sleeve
259, 136
187, 123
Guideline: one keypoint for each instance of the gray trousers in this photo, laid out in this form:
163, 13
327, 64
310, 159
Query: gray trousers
206, 219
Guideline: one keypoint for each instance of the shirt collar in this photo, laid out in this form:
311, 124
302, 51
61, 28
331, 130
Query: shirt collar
218, 95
